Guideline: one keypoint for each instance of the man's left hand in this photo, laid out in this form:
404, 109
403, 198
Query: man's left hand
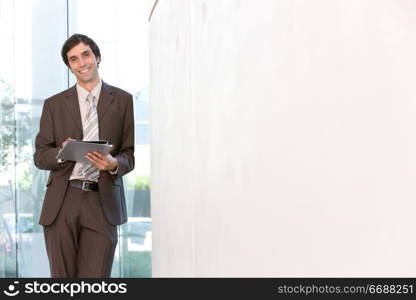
103, 162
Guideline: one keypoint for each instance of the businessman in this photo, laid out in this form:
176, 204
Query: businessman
84, 203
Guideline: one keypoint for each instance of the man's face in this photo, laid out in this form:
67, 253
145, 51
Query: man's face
83, 63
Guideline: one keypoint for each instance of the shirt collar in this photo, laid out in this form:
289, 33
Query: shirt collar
83, 93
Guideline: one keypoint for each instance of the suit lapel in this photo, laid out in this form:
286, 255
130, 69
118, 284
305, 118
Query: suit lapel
72, 105
106, 97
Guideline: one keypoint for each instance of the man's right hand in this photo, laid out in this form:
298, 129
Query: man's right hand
66, 141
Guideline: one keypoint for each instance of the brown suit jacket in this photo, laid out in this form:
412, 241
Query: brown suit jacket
61, 118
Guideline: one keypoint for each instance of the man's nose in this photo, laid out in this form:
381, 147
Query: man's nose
81, 62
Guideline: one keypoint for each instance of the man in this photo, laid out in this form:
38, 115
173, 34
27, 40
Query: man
84, 202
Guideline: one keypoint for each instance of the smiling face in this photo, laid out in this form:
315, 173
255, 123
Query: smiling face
83, 64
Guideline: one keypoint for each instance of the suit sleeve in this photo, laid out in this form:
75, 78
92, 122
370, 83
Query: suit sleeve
125, 157
46, 149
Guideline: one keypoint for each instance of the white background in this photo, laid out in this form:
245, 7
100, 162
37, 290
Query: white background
283, 138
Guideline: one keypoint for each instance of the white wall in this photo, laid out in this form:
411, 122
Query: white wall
283, 137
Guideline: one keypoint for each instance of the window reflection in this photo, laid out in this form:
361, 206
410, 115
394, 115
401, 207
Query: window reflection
31, 71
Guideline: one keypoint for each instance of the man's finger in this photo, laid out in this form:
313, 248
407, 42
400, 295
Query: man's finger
97, 165
94, 156
100, 164
100, 155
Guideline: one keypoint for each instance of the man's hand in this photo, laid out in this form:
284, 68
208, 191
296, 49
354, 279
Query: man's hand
66, 141
102, 162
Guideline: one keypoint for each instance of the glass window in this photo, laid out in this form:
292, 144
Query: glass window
31, 71
120, 30
24, 83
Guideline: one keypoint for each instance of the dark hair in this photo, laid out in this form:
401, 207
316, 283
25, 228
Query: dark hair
74, 40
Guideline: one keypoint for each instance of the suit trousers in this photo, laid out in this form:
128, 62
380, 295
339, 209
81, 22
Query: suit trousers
80, 242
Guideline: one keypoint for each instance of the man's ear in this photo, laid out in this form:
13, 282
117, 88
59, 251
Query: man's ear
98, 60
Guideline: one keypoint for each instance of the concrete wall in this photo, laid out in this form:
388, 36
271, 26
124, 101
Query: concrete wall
283, 137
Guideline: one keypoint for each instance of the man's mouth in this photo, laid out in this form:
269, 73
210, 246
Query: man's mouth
84, 71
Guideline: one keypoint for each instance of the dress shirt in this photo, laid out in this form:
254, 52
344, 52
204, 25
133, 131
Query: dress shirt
84, 108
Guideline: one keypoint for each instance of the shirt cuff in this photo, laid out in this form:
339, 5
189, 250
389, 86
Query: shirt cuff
113, 172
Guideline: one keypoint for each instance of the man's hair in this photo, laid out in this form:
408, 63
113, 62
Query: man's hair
74, 40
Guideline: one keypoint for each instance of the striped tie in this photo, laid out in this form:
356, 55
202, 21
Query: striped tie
90, 132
